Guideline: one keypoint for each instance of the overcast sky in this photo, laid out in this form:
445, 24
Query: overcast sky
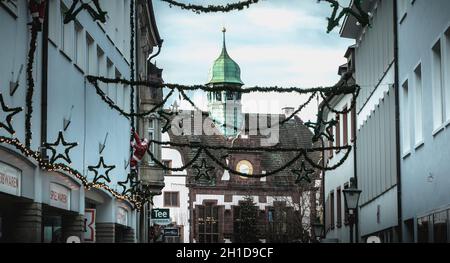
275, 42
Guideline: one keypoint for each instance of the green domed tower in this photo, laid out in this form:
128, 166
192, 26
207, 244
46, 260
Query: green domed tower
225, 107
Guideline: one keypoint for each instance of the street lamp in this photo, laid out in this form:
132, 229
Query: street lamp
319, 230
351, 196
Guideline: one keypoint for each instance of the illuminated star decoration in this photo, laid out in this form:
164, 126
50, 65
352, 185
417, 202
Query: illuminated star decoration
12, 111
60, 141
107, 168
203, 171
303, 174
98, 14
133, 184
321, 128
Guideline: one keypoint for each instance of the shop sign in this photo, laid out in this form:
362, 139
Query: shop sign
171, 232
89, 225
10, 179
121, 216
59, 196
161, 216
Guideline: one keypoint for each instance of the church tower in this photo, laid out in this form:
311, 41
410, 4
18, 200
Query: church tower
225, 107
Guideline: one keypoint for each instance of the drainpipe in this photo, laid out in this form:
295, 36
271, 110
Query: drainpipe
44, 81
355, 169
397, 125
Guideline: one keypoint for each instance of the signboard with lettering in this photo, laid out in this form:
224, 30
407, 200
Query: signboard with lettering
171, 232
10, 179
161, 216
59, 196
121, 216
89, 225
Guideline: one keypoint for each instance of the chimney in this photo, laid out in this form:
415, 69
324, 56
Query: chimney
288, 111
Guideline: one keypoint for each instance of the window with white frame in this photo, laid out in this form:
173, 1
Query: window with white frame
66, 33
109, 89
91, 55
446, 72
101, 67
53, 32
406, 120
437, 83
418, 105
152, 136
79, 46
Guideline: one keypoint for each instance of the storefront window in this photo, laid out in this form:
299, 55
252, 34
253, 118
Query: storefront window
440, 227
52, 229
422, 230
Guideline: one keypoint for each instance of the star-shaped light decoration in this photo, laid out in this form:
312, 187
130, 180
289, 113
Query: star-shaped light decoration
303, 174
133, 184
10, 112
321, 128
104, 175
72, 13
203, 171
53, 147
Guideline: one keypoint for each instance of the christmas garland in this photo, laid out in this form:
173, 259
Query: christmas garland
98, 14
30, 81
132, 69
212, 8
48, 166
207, 150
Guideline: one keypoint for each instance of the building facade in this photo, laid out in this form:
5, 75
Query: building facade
284, 210
377, 167
54, 204
336, 219
424, 77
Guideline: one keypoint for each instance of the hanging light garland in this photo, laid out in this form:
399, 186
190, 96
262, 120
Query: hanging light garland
212, 8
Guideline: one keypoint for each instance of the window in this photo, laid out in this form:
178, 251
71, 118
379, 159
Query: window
339, 207
437, 80
446, 73
440, 227
66, 33
218, 96
330, 142
422, 230
345, 127
235, 120
338, 131
208, 223
171, 199
91, 62
79, 46
353, 123
229, 95
278, 223
101, 67
53, 23
332, 209
152, 136
167, 163
406, 120
418, 106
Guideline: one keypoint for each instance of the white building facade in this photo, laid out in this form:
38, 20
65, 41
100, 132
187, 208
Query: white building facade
424, 75
55, 204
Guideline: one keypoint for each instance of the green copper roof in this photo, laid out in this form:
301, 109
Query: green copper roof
225, 70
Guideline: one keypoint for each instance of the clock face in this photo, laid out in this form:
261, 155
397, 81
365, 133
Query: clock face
245, 167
